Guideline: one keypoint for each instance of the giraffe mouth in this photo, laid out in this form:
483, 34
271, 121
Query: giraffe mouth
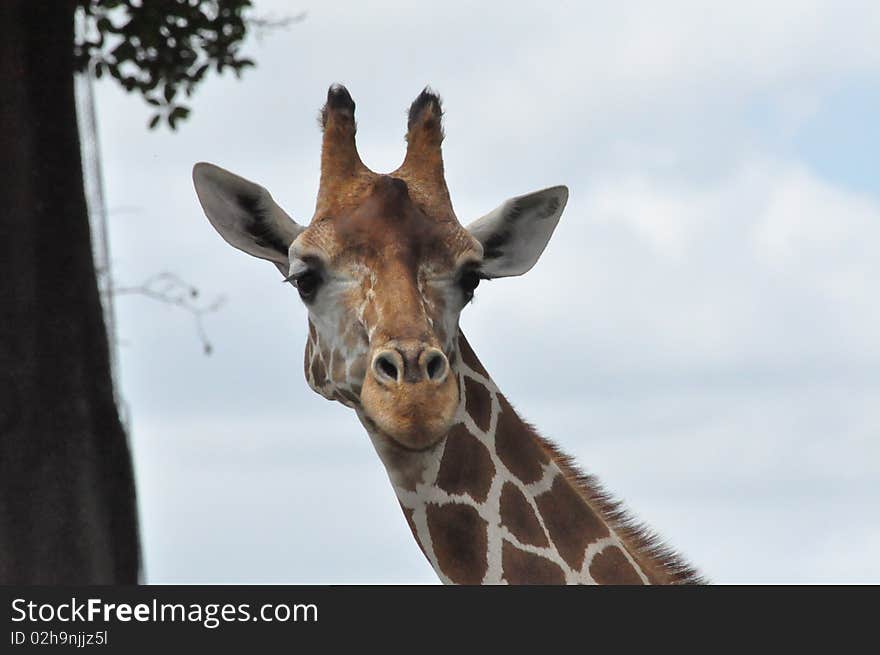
415, 416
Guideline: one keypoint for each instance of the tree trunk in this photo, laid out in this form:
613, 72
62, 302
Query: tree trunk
67, 502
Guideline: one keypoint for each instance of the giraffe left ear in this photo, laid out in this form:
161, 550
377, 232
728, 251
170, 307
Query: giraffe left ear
515, 234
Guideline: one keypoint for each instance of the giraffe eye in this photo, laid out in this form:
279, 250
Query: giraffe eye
468, 282
307, 284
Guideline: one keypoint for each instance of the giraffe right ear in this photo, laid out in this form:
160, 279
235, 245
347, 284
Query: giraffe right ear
245, 214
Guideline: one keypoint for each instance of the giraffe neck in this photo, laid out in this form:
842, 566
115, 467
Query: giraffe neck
493, 503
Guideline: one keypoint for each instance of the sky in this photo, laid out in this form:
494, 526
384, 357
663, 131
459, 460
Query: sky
702, 333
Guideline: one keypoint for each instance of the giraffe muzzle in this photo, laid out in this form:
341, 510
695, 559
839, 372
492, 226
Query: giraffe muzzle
409, 393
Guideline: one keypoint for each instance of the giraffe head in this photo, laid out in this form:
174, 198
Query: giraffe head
384, 268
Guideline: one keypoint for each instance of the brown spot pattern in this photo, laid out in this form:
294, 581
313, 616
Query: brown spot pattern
571, 523
408, 514
460, 541
517, 446
466, 466
521, 567
612, 567
319, 374
349, 396
519, 517
478, 403
308, 358
469, 357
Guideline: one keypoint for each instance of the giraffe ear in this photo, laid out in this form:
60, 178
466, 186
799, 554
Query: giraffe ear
245, 214
515, 234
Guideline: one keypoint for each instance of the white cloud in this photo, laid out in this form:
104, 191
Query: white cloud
828, 238
673, 271
667, 221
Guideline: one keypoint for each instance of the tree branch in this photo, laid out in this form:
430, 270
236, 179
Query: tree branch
170, 289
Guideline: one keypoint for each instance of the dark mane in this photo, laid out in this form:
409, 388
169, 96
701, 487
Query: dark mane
654, 554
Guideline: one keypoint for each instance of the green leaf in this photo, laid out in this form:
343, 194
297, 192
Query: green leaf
200, 72
179, 112
123, 51
163, 53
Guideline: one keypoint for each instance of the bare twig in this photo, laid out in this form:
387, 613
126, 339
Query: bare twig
170, 289
262, 25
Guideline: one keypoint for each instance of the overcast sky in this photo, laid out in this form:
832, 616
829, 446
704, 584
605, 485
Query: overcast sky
703, 331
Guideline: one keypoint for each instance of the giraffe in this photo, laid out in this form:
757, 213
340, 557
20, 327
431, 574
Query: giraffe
384, 269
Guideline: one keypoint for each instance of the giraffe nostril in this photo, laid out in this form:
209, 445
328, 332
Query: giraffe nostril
408, 364
385, 368
436, 366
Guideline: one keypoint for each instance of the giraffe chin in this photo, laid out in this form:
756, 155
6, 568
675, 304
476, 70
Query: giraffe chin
414, 416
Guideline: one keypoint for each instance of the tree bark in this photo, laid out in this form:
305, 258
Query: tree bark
67, 501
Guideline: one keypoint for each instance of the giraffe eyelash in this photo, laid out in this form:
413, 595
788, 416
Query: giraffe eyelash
468, 281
